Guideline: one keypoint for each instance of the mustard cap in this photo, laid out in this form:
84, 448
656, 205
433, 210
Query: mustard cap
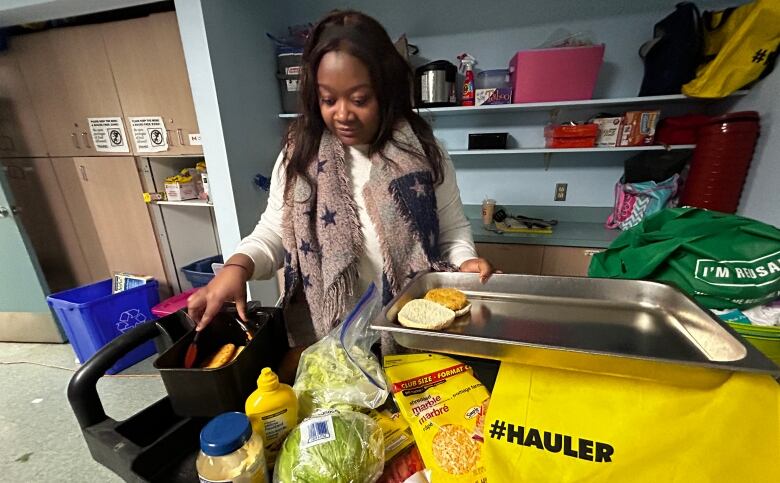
268, 380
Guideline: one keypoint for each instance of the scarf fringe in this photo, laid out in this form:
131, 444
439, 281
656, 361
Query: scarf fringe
335, 299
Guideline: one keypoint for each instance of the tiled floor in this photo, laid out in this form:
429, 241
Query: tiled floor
41, 441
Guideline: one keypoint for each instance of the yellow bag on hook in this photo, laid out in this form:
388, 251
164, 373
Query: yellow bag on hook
741, 42
698, 425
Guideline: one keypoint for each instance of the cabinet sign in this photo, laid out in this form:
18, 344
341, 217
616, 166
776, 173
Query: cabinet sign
108, 134
149, 134
195, 140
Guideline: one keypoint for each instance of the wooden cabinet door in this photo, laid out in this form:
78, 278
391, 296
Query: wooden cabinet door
147, 61
80, 218
20, 133
509, 258
568, 261
70, 80
113, 192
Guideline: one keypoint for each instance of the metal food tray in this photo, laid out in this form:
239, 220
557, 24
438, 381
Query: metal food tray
514, 317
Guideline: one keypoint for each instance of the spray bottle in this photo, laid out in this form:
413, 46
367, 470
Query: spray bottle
467, 69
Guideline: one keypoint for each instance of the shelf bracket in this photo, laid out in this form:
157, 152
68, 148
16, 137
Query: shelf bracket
554, 113
547, 159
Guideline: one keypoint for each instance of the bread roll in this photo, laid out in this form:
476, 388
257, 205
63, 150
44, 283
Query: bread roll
425, 314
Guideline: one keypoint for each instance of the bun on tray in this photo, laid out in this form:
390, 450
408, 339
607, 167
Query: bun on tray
425, 314
451, 298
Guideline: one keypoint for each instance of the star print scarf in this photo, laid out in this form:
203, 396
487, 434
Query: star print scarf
322, 234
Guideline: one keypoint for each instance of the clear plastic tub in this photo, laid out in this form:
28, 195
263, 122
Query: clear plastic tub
493, 79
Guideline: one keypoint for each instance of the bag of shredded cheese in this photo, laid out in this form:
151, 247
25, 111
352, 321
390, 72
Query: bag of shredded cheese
445, 406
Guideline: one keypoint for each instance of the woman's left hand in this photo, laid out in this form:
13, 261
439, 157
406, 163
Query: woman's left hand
478, 265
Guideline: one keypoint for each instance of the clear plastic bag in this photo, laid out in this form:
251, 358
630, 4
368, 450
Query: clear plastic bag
332, 447
564, 38
340, 371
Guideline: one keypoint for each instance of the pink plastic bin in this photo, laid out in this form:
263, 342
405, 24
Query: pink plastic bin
173, 304
562, 74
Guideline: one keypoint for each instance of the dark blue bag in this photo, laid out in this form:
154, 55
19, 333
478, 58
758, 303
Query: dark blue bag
675, 52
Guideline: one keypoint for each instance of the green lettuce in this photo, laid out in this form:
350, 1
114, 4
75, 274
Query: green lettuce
354, 453
328, 379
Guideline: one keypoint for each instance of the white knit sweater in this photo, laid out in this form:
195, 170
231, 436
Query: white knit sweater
264, 244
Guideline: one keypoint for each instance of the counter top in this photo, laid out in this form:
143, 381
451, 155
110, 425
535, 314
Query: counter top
565, 233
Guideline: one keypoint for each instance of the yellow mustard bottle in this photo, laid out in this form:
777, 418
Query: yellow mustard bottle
273, 411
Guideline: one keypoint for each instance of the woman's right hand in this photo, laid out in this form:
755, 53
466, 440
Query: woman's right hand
229, 285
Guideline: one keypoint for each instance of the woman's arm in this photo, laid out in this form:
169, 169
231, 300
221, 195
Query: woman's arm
455, 240
258, 256
263, 247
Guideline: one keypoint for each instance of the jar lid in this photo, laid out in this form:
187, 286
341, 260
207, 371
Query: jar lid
225, 434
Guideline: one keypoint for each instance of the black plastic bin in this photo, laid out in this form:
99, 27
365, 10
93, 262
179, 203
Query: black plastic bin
209, 392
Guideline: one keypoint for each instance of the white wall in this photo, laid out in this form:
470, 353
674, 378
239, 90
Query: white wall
761, 196
231, 65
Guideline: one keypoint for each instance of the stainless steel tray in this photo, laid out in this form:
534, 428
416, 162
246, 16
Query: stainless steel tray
513, 317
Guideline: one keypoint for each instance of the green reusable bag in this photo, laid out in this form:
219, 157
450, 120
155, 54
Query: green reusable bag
723, 261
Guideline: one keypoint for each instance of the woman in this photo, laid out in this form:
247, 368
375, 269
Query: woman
360, 193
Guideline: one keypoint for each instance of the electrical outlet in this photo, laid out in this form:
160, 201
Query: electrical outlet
560, 191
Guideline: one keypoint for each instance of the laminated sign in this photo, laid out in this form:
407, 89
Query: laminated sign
554, 425
149, 134
108, 134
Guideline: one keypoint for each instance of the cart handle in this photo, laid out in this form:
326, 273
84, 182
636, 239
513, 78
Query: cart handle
82, 388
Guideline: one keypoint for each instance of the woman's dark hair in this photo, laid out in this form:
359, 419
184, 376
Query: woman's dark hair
364, 38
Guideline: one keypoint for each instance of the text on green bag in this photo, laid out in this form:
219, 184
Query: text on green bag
739, 273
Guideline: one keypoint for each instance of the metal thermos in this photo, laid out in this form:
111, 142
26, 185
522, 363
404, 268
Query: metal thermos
435, 84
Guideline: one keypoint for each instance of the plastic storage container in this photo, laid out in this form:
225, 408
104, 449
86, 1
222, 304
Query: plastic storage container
765, 339
559, 74
92, 317
570, 135
200, 273
209, 392
493, 79
173, 304
724, 150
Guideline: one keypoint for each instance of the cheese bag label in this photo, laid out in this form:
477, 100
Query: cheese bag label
445, 406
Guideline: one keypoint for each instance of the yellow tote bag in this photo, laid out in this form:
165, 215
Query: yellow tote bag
556, 425
740, 41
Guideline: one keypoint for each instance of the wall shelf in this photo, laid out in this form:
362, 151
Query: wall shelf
185, 203
484, 152
548, 106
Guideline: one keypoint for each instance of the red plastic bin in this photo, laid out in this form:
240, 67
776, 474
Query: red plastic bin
720, 164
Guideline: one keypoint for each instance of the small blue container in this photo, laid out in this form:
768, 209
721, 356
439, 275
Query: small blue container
92, 317
200, 273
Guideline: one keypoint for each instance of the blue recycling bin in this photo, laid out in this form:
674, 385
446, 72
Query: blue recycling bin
92, 317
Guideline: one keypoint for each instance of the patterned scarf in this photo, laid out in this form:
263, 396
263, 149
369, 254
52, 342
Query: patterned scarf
322, 234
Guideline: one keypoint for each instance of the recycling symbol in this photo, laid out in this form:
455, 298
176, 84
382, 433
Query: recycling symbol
129, 319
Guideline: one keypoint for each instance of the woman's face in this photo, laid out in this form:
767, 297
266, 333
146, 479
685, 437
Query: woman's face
348, 103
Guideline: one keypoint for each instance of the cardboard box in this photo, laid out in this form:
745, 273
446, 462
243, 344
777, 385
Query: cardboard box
177, 191
124, 281
609, 131
639, 128
493, 96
